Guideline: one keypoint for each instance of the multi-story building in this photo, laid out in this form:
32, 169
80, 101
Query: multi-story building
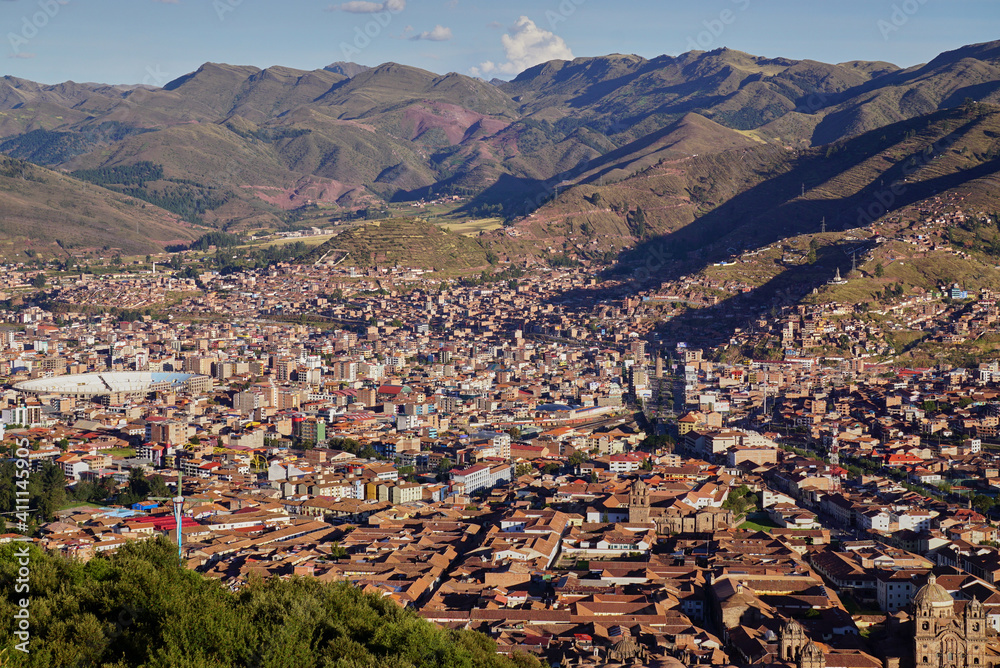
171, 432
481, 476
26, 416
309, 429
248, 400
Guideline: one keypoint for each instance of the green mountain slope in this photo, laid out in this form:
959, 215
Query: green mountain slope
900, 211
404, 241
750, 197
969, 72
39, 207
255, 145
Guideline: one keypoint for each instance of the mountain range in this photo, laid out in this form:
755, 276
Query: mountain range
238, 147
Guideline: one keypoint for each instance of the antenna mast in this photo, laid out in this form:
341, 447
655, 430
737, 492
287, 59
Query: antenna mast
179, 512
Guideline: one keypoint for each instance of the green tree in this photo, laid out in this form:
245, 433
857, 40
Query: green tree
84, 491
136, 489
982, 503
637, 219
139, 607
48, 487
158, 487
740, 500
879, 270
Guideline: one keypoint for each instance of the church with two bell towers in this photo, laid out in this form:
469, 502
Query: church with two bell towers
942, 636
796, 649
943, 639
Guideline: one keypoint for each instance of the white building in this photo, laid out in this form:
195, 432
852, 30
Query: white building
405, 422
482, 476
877, 520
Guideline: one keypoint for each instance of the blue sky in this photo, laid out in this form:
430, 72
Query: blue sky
153, 41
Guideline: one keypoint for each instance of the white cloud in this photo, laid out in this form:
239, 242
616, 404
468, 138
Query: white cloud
366, 7
526, 45
24, 55
438, 34
488, 66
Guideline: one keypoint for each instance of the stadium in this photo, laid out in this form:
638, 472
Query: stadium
136, 383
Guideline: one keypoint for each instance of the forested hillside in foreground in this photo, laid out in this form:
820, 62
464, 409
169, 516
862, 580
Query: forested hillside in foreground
140, 608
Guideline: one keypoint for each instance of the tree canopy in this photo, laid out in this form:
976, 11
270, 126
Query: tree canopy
138, 607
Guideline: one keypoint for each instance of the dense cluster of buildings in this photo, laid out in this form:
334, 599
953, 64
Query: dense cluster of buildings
880, 265
486, 455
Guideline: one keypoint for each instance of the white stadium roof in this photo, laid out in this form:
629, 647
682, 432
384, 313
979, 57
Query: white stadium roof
97, 384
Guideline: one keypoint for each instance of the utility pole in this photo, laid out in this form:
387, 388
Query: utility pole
822, 225
764, 415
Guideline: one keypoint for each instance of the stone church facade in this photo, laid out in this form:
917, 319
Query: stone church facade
796, 649
671, 520
942, 639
